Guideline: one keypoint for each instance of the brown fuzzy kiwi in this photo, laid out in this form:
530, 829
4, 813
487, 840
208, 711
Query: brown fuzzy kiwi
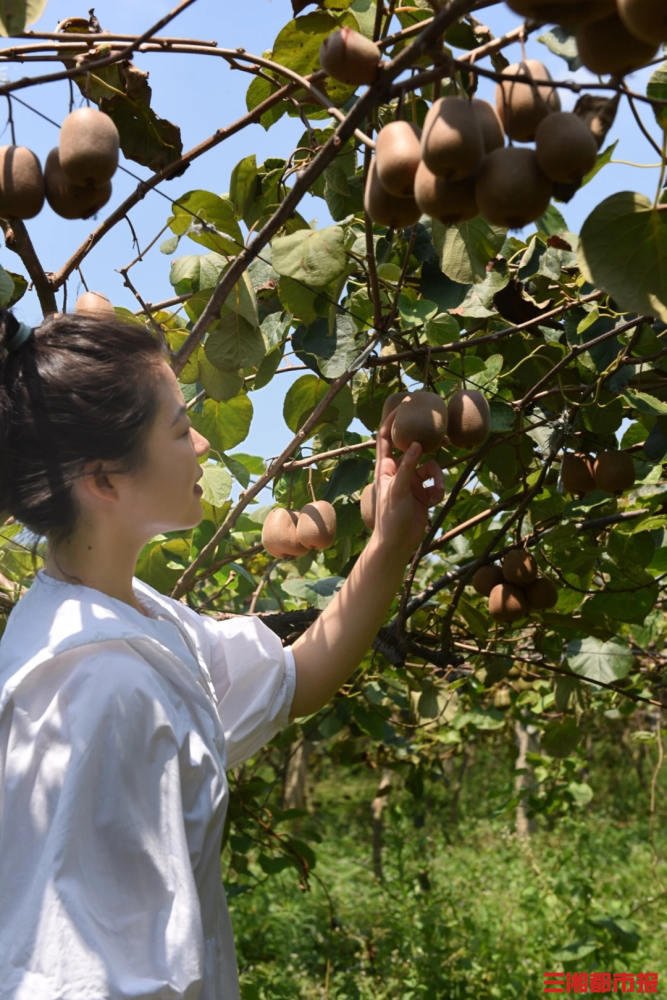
452, 140
522, 106
511, 188
566, 12
519, 567
279, 534
486, 578
21, 183
507, 603
607, 46
89, 147
645, 19
468, 418
316, 528
448, 201
349, 57
493, 133
421, 417
614, 472
71, 201
386, 209
367, 503
95, 305
577, 473
397, 156
541, 594
391, 402
565, 148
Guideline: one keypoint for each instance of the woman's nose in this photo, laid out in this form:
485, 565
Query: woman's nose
202, 445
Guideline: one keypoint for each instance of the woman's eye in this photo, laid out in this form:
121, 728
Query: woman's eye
187, 432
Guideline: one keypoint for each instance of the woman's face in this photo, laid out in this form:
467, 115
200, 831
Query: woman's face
164, 496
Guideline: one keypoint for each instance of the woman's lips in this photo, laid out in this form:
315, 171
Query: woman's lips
198, 490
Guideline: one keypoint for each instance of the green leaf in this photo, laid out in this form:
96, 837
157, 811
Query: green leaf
216, 483
298, 47
562, 43
441, 329
599, 661
623, 251
224, 423
304, 395
603, 159
218, 384
417, 312
560, 738
314, 257
6, 288
644, 402
581, 793
242, 185
16, 15
238, 470
195, 272
234, 344
257, 93
657, 89
334, 351
170, 245
502, 417
576, 951
20, 287
348, 477
208, 220
466, 248
552, 222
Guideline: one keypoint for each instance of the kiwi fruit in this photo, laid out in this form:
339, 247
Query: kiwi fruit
386, 209
577, 473
511, 188
502, 698
565, 148
645, 19
541, 594
448, 201
468, 418
95, 305
519, 567
279, 534
397, 156
349, 57
89, 147
507, 603
486, 578
493, 134
71, 201
566, 12
607, 46
21, 183
391, 402
368, 506
422, 417
614, 472
452, 140
522, 106
316, 528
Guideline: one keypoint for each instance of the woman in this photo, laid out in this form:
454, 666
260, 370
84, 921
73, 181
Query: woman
120, 708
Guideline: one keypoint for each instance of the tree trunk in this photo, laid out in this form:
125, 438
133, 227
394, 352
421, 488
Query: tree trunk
377, 808
295, 791
527, 741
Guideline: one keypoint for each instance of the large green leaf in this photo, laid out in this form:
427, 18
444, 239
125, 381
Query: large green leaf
218, 384
15, 15
6, 288
599, 661
216, 483
234, 344
623, 251
195, 272
257, 92
657, 88
334, 351
197, 207
304, 395
315, 257
242, 185
466, 248
225, 424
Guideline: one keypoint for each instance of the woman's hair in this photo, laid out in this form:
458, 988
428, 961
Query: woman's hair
78, 390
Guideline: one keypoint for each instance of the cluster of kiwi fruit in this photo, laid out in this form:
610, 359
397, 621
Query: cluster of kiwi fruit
76, 180
515, 588
426, 418
288, 534
613, 36
612, 472
458, 165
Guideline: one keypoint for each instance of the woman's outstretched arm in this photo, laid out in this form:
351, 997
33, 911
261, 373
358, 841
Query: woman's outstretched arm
329, 652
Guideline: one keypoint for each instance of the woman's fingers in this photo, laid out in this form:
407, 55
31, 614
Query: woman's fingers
407, 468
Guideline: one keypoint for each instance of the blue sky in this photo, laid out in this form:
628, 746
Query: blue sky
203, 94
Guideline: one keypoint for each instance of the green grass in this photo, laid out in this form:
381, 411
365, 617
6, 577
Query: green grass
464, 910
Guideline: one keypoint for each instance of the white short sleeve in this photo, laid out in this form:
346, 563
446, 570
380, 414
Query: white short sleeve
97, 892
254, 679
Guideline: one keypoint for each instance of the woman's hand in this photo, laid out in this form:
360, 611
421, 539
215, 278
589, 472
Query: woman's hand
401, 499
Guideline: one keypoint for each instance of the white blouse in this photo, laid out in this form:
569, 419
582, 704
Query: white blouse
115, 732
